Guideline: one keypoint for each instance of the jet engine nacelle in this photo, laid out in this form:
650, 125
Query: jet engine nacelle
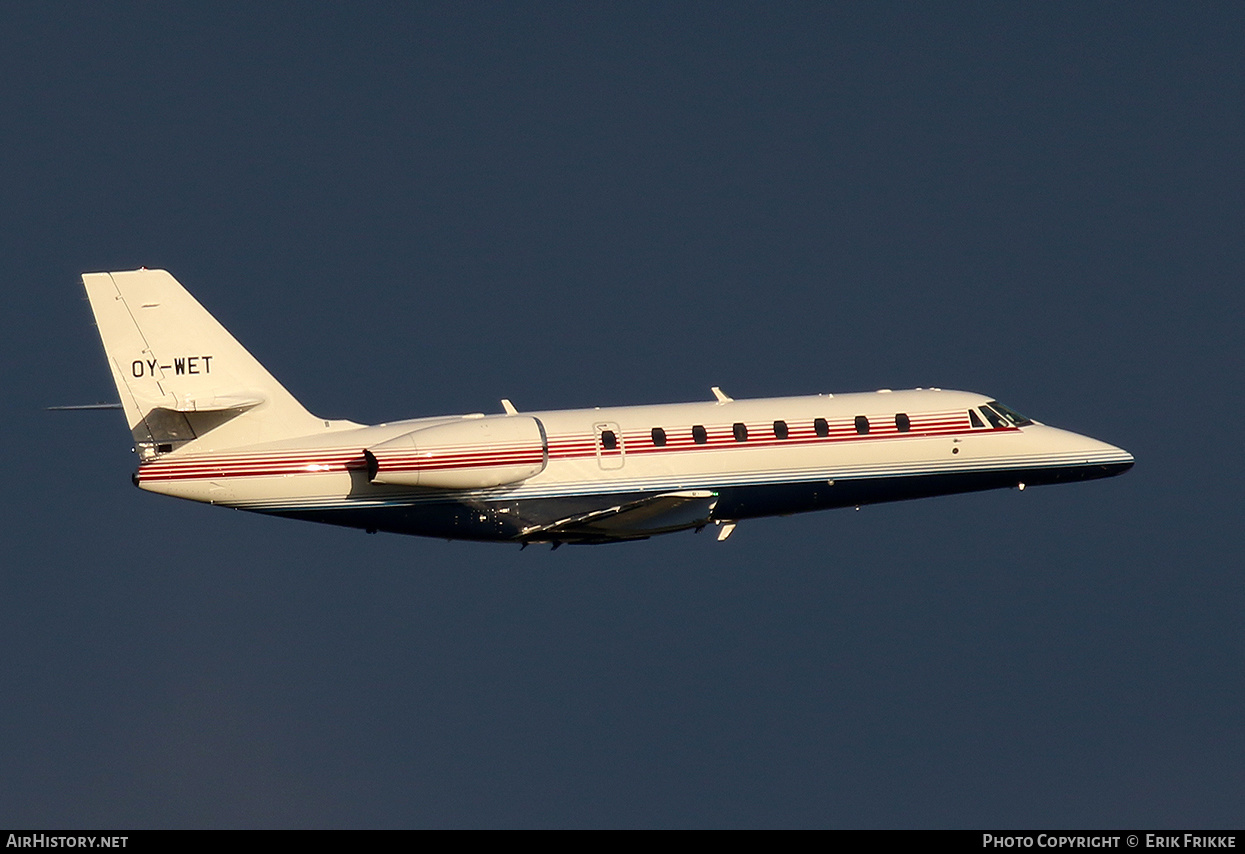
474, 453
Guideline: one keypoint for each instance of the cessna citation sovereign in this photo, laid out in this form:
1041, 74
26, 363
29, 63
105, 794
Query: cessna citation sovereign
211, 424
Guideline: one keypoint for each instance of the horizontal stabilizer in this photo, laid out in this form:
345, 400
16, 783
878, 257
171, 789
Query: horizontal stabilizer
218, 403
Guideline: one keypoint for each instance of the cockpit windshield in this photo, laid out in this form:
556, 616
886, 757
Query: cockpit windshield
1010, 414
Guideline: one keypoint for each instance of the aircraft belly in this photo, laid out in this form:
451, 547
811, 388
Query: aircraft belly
507, 520
745, 502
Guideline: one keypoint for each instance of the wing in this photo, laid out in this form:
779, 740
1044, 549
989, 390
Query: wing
655, 514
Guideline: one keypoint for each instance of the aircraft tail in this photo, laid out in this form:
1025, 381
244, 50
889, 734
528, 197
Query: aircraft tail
182, 377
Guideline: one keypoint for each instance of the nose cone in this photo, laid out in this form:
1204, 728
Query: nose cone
1092, 457
1120, 459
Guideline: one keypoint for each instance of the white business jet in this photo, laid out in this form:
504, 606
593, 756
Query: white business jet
211, 424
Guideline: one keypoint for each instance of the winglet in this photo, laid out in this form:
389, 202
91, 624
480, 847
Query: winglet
722, 396
508, 407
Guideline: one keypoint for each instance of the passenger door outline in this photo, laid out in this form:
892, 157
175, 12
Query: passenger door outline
609, 458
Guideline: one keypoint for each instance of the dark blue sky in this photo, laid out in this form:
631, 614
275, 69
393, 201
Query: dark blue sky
419, 209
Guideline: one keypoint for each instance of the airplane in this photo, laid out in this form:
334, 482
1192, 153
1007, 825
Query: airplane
210, 424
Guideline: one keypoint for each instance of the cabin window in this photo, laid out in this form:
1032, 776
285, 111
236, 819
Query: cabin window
780, 429
699, 436
659, 437
862, 424
902, 423
740, 430
609, 441
993, 417
821, 427
975, 419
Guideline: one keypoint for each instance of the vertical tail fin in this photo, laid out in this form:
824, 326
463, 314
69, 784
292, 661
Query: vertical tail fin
181, 376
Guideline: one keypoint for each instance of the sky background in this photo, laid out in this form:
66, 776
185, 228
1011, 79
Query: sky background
418, 209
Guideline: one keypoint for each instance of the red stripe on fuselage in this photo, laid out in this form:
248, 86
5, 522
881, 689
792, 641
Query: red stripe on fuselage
678, 440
